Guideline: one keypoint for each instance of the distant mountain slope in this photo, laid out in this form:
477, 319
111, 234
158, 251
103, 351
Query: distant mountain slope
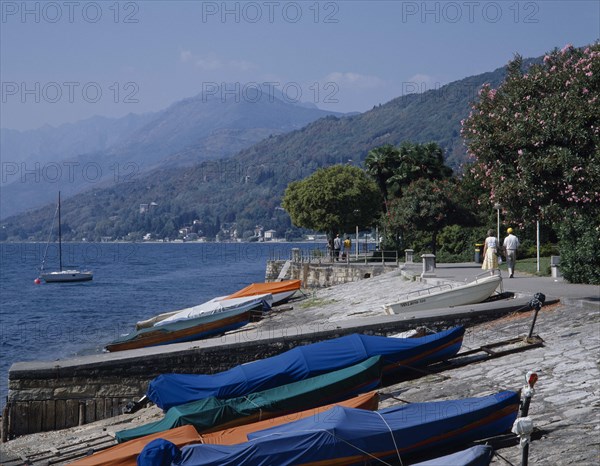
53, 144
183, 134
247, 187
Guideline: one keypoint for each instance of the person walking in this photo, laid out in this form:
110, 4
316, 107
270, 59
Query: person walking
347, 247
490, 247
511, 244
337, 246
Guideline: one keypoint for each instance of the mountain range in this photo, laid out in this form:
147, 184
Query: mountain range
187, 176
99, 151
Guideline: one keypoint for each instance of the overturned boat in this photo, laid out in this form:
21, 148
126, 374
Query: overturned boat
194, 324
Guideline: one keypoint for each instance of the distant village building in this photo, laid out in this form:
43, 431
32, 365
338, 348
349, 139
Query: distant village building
270, 235
191, 237
146, 207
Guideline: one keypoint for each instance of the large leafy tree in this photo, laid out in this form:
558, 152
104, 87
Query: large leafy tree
396, 169
380, 164
334, 199
535, 148
534, 140
425, 206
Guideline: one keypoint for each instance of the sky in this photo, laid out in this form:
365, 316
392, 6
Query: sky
63, 61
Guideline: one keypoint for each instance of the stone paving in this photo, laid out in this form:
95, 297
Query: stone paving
566, 405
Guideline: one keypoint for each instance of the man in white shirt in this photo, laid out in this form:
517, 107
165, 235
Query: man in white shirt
511, 243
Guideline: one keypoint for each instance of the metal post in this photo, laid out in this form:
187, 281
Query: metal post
356, 247
536, 304
81, 414
538, 244
498, 206
523, 426
528, 391
498, 225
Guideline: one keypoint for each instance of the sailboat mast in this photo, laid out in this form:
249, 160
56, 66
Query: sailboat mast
59, 236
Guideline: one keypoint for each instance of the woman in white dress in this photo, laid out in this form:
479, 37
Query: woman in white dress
490, 247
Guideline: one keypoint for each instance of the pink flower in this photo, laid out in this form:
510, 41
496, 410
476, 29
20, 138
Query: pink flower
520, 152
566, 48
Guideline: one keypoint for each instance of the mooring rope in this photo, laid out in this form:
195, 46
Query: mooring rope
260, 411
393, 438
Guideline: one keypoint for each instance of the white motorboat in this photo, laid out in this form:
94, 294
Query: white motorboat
446, 295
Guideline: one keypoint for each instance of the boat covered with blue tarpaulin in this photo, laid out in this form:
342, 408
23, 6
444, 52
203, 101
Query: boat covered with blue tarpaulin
212, 414
303, 362
353, 436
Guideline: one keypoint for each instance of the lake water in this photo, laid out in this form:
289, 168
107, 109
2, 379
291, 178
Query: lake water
132, 281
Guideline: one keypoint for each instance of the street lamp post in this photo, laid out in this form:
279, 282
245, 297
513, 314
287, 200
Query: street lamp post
498, 206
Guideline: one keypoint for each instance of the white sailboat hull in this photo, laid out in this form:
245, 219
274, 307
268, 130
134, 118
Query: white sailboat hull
470, 293
62, 276
67, 276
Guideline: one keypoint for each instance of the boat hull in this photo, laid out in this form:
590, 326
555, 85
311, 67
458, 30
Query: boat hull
303, 362
281, 291
181, 331
471, 293
212, 414
67, 276
125, 454
345, 436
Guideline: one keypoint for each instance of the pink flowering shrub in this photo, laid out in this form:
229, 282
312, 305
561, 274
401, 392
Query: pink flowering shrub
534, 141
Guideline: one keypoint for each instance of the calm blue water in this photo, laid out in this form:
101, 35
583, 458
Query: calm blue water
131, 282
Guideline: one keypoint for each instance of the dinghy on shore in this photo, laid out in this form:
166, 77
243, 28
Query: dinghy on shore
447, 295
194, 324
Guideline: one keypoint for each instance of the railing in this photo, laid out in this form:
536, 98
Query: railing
325, 255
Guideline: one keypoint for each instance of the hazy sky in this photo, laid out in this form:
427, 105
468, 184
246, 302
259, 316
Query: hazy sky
62, 61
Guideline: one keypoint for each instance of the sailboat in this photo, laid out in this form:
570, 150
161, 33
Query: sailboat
67, 275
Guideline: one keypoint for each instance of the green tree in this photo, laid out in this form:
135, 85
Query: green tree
419, 161
425, 206
395, 169
380, 164
535, 143
333, 200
